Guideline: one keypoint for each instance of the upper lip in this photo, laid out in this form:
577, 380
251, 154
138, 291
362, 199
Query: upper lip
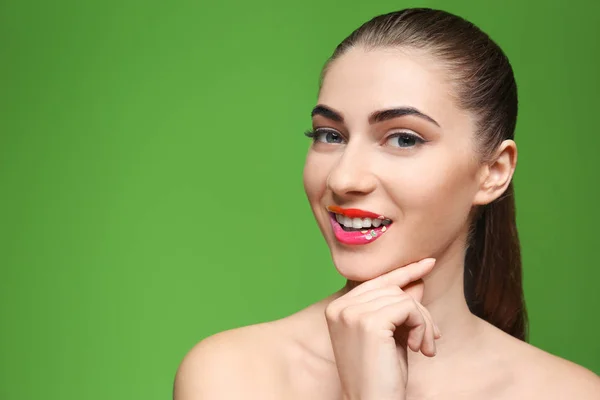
355, 212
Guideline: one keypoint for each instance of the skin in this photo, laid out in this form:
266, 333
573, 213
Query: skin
428, 190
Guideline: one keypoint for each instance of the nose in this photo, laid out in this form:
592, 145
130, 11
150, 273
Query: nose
351, 176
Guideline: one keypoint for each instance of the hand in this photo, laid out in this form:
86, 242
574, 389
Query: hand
371, 327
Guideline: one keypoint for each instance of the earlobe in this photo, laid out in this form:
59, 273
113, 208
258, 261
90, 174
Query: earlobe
497, 174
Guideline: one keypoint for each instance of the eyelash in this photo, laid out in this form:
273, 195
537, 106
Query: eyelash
315, 133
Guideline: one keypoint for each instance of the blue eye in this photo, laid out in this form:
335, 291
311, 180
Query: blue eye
325, 136
404, 140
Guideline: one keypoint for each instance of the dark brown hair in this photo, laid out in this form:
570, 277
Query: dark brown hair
484, 84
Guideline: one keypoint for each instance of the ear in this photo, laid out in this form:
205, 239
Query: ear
496, 174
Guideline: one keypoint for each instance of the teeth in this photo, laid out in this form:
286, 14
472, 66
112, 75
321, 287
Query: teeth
347, 222
361, 223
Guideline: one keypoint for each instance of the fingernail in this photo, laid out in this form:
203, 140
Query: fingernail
427, 261
437, 331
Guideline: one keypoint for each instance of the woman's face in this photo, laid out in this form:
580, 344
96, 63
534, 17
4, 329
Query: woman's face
415, 166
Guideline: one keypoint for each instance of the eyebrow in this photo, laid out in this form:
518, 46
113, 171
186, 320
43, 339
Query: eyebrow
375, 117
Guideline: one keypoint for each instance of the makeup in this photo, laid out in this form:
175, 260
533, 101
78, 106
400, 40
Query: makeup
354, 212
357, 227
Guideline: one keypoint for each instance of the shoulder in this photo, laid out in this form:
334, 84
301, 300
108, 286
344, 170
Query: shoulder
523, 371
228, 365
542, 375
557, 378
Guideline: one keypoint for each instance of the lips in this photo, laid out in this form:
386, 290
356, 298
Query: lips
359, 236
354, 212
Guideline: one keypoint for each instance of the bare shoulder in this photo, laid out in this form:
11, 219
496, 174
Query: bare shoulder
557, 378
229, 365
542, 375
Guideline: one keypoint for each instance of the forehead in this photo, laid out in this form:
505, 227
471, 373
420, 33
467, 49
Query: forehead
362, 81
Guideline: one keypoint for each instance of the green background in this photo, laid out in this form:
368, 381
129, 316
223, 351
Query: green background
136, 136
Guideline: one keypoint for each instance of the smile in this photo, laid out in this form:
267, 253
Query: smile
356, 227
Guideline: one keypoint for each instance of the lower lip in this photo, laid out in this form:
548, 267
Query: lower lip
364, 236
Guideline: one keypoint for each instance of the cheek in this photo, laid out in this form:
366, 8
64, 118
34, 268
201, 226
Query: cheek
434, 183
314, 176
434, 204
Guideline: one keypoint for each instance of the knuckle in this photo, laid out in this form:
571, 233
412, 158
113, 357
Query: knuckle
348, 316
332, 312
369, 323
416, 310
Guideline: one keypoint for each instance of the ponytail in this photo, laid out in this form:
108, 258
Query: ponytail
492, 279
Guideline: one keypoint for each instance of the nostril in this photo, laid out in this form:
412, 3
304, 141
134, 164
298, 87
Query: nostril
351, 179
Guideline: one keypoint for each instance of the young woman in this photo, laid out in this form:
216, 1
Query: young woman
409, 179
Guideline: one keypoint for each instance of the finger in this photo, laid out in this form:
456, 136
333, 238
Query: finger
363, 314
372, 294
421, 337
400, 276
395, 291
428, 346
376, 304
372, 301
410, 273
427, 314
415, 289
404, 313
339, 304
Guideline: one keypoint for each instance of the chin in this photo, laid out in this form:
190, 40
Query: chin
365, 262
359, 259
363, 265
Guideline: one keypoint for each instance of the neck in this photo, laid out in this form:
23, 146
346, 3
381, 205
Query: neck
444, 297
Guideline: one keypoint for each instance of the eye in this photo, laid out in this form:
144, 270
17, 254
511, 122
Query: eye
328, 136
404, 140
